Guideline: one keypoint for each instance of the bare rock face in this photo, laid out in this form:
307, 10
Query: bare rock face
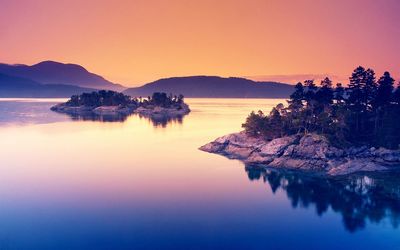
235, 146
62, 108
111, 110
310, 152
102, 110
158, 111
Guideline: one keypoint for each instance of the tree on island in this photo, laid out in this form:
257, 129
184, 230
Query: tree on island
112, 98
163, 100
101, 98
366, 112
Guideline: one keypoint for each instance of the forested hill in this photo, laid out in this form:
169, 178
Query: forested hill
214, 87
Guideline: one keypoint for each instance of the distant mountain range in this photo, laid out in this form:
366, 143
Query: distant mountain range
214, 86
48, 77
293, 79
11, 86
54, 79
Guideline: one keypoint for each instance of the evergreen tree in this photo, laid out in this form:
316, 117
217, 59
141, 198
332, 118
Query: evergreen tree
355, 101
311, 88
355, 89
324, 95
255, 123
326, 82
384, 91
296, 98
396, 95
275, 125
369, 89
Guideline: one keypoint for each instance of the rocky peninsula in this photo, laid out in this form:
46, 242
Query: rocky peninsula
114, 104
311, 152
324, 129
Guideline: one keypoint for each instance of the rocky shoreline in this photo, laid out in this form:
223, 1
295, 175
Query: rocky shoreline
102, 110
157, 111
125, 110
309, 152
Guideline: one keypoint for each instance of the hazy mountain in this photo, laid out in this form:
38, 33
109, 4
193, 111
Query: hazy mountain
293, 79
12, 86
54, 79
214, 86
49, 72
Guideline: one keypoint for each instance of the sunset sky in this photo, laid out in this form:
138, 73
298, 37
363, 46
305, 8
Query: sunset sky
136, 41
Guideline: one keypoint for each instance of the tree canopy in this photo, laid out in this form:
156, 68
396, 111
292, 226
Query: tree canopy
163, 100
100, 98
365, 112
112, 98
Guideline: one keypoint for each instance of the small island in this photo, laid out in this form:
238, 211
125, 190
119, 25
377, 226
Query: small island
107, 103
160, 105
324, 129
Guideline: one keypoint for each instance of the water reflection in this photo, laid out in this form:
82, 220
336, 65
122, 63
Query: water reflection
35, 111
162, 121
156, 121
28, 112
358, 198
99, 118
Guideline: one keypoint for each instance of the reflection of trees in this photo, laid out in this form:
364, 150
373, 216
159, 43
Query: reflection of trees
156, 121
357, 198
162, 120
95, 117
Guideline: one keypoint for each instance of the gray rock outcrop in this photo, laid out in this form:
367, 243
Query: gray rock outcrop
309, 152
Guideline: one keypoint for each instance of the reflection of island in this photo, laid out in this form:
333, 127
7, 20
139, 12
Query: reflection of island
97, 117
156, 121
162, 109
113, 106
357, 198
162, 121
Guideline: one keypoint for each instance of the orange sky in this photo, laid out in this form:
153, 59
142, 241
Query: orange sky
136, 41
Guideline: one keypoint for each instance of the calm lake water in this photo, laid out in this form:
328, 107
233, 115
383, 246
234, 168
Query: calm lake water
74, 183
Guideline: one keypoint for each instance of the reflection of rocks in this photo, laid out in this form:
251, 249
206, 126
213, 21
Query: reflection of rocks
358, 198
309, 152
